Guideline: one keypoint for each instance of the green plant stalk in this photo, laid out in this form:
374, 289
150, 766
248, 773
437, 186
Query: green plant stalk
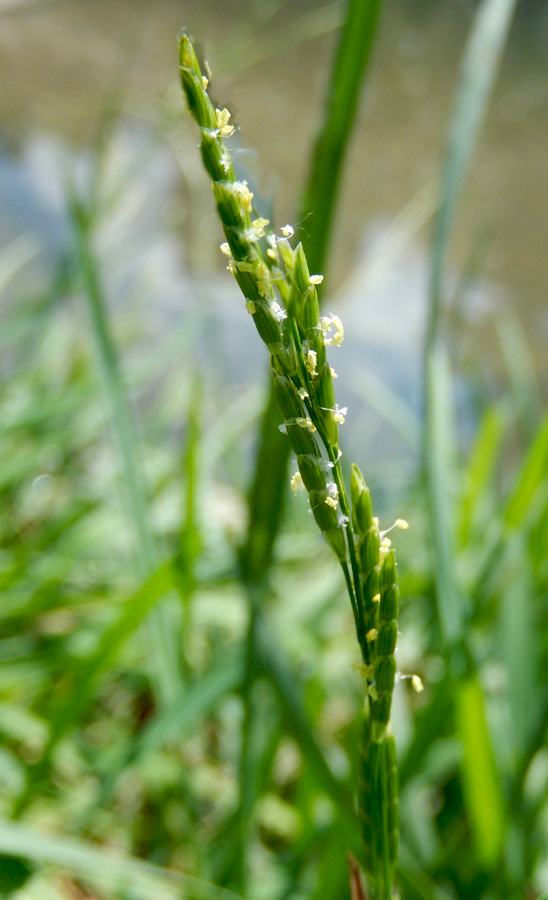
281, 296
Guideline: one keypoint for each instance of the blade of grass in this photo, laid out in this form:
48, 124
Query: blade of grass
175, 722
344, 86
319, 200
478, 70
439, 458
284, 683
521, 370
164, 642
191, 540
387, 403
82, 679
258, 748
260, 46
529, 482
115, 873
481, 782
16, 255
481, 468
521, 649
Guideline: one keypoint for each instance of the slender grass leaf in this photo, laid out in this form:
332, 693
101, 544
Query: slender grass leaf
271, 662
533, 474
259, 47
115, 873
319, 199
82, 678
520, 644
387, 403
440, 443
344, 87
481, 782
16, 255
178, 721
481, 467
417, 882
164, 640
479, 69
520, 366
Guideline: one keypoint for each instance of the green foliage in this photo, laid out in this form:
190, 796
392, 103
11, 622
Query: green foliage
180, 704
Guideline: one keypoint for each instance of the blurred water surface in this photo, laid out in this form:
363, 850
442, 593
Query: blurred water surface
67, 67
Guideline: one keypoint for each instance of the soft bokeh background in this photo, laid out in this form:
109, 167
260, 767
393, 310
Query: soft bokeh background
109, 739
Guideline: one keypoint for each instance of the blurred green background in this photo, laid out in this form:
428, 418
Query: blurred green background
153, 744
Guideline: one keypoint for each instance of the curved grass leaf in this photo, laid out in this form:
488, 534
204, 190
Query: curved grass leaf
166, 673
99, 866
481, 782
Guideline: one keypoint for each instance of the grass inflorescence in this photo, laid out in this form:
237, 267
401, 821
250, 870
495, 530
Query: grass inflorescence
281, 295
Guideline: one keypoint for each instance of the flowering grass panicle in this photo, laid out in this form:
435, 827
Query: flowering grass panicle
281, 296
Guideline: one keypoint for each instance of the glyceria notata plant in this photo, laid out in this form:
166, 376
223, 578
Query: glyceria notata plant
281, 295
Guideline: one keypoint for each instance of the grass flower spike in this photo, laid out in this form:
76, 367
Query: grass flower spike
281, 295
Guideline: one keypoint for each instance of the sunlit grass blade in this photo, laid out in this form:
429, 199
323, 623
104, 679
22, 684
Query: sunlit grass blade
478, 71
164, 641
521, 647
191, 536
82, 681
532, 478
116, 873
439, 457
177, 721
387, 403
258, 748
256, 48
481, 781
417, 882
332, 143
270, 661
521, 370
319, 199
480, 469
266, 495
16, 255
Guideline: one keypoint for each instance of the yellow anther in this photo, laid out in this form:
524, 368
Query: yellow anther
366, 670
305, 422
376, 598
250, 306
372, 635
287, 230
311, 358
222, 116
401, 523
296, 482
416, 684
316, 279
259, 226
245, 195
